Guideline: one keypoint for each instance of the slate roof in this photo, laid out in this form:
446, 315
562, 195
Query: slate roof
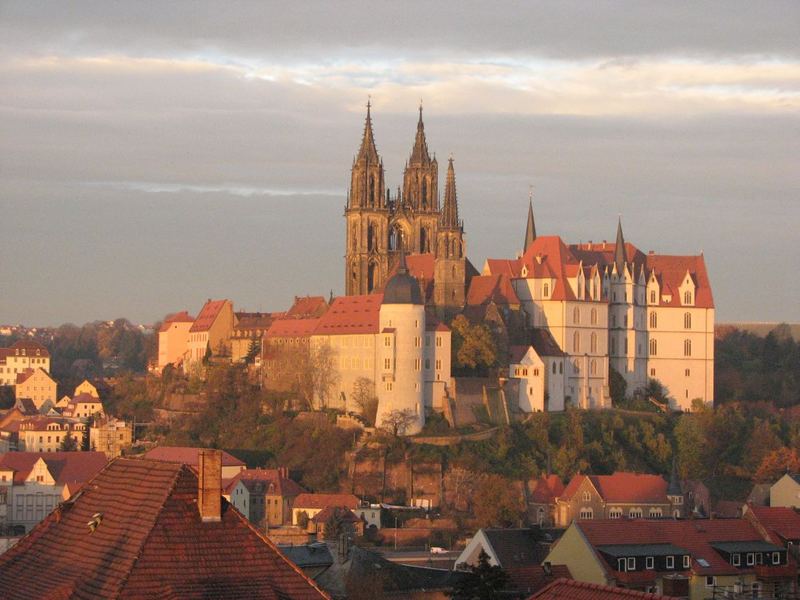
281, 328
249, 477
308, 555
67, 468
208, 314
187, 455
150, 543
545, 344
623, 487
516, 547
568, 589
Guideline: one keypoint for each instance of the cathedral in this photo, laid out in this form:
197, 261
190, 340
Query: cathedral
380, 223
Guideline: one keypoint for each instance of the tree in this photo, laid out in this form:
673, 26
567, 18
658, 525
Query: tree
777, 463
252, 351
617, 385
302, 519
364, 397
497, 502
482, 582
335, 525
68, 444
397, 422
474, 348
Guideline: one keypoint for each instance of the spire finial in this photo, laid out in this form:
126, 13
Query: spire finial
619, 248
530, 229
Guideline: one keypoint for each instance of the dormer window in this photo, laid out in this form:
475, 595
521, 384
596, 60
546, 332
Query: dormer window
670, 562
686, 561
751, 559
687, 298
736, 559
649, 563
776, 558
631, 563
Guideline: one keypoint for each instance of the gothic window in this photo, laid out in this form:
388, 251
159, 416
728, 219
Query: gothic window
652, 296
687, 347
687, 320
594, 316
372, 237
424, 193
687, 298
355, 238
653, 320
424, 241
546, 290
454, 272
371, 199
653, 347
576, 315
395, 237
593, 343
593, 367
576, 342
371, 277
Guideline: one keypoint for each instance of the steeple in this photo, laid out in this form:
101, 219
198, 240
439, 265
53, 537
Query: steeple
419, 154
530, 229
449, 217
619, 249
368, 150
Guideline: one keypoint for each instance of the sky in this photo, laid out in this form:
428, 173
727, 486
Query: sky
157, 154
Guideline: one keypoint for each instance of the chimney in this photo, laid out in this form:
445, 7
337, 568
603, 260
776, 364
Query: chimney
209, 487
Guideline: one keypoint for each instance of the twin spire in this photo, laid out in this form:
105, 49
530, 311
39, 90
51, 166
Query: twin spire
449, 217
419, 154
368, 150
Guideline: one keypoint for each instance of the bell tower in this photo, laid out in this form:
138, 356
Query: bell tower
450, 262
367, 215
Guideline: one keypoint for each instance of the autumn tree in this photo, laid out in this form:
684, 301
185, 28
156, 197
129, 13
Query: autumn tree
365, 399
497, 502
776, 464
474, 347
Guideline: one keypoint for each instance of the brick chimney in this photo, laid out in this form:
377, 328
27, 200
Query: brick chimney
209, 488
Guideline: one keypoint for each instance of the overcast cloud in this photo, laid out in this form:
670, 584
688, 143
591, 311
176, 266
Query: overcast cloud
156, 154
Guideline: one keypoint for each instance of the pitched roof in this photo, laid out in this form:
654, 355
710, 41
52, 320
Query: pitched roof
325, 500
569, 589
187, 455
495, 288
781, 524
308, 555
342, 513
65, 467
283, 485
351, 315
696, 536
546, 489
307, 306
27, 406
672, 269
545, 344
515, 547
532, 578
282, 328
24, 348
623, 487
208, 314
150, 543
178, 317
24, 376
246, 321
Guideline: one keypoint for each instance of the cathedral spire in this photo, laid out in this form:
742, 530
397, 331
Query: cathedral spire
619, 249
368, 149
419, 154
450, 209
530, 229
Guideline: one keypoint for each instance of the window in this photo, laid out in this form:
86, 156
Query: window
615, 513
653, 347
427, 363
438, 364
687, 372
649, 563
652, 372
387, 363
587, 497
736, 559
546, 290
653, 320
388, 386
635, 513
621, 564
687, 347
536, 372
576, 342
711, 581
593, 367
560, 368
751, 559
686, 561
687, 298
593, 317
417, 342
416, 364
387, 341
576, 315
776, 558
655, 513
670, 562
631, 563
554, 368
593, 343
438, 341
687, 320
587, 513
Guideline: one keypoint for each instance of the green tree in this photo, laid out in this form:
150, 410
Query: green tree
483, 581
474, 348
617, 385
68, 444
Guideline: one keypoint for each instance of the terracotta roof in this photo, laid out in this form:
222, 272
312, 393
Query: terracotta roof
546, 489
24, 376
65, 467
29, 346
292, 328
307, 306
27, 407
325, 500
150, 543
178, 317
533, 578
569, 589
781, 524
247, 321
671, 271
495, 288
695, 536
352, 315
623, 487
187, 455
341, 512
209, 313
283, 485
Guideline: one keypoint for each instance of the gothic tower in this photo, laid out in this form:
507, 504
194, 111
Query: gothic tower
367, 214
450, 261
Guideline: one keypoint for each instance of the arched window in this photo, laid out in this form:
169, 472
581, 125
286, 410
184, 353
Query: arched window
371, 198
687, 347
653, 347
454, 272
653, 320
576, 315
576, 342
372, 237
554, 368
546, 290
395, 238
593, 343
687, 298
560, 368
355, 238
371, 277
593, 367
424, 193
594, 316
423, 240
652, 296
687, 320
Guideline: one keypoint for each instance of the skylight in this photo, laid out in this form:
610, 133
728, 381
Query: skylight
703, 562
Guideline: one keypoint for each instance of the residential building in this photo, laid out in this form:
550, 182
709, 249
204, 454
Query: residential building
349, 523
777, 524
173, 339
86, 387
20, 356
247, 333
210, 333
313, 559
569, 589
84, 406
629, 495
37, 385
698, 558
231, 466
786, 491
151, 529
380, 224
536, 374
111, 436
264, 495
542, 494
47, 434
33, 484
311, 504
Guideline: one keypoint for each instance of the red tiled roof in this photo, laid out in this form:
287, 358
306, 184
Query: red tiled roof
569, 589
24, 376
178, 317
671, 271
29, 346
495, 288
342, 512
532, 578
283, 485
209, 313
65, 467
502, 266
781, 524
150, 543
695, 536
351, 315
187, 455
292, 328
623, 487
325, 500
307, 306
247, 321
546, 489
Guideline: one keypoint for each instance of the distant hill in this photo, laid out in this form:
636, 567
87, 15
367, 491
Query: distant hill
760, 328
